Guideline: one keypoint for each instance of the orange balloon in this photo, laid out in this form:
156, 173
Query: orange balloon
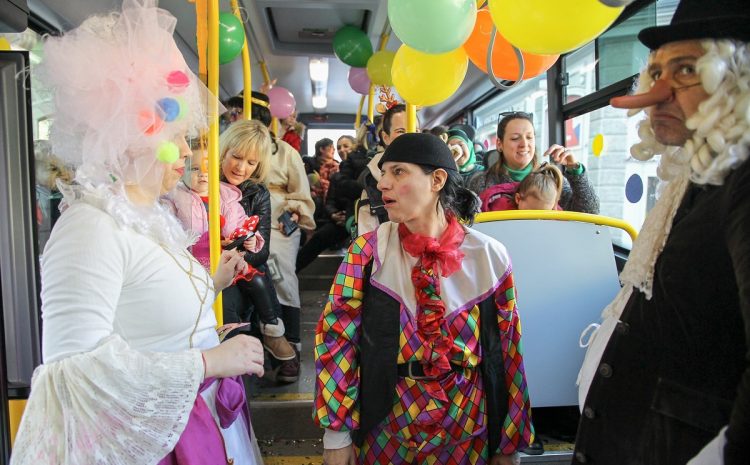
504, 61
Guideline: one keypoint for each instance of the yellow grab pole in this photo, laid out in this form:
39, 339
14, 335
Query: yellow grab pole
213, 148
247, 73
358, 116
267, 80
557, 215
411, 118
371, 104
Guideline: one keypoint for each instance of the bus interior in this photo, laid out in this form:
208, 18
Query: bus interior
290, 46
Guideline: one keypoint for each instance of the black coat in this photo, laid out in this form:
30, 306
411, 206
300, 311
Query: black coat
676, 368
257, 201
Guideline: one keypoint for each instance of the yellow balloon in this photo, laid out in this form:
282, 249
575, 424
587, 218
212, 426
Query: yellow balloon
379, 68
537, 26
597, 145
4, 44
425, 79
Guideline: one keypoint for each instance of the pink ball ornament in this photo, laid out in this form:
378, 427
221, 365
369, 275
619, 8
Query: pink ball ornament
177, 81
282, 102
359, 80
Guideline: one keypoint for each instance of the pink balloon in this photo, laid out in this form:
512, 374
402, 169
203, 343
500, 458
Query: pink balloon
359, 80
282, 102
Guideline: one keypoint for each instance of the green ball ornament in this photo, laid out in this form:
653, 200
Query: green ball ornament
352, 46
168, 152
231, 37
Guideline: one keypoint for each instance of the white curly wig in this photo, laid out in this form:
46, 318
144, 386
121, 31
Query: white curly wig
721, 125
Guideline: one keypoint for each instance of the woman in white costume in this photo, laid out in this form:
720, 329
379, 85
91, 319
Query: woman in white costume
133, 370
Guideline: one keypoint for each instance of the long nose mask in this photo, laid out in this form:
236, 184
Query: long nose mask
661, 91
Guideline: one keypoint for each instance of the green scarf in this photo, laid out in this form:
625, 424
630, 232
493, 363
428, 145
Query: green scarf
519, 175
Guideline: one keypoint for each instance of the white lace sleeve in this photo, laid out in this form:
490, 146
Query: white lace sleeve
112, 405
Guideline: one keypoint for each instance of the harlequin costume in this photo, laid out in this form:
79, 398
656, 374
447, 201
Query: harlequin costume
418, 350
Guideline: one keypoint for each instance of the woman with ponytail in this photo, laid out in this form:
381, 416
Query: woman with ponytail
418, 351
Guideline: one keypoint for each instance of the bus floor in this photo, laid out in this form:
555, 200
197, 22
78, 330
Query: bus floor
282, 413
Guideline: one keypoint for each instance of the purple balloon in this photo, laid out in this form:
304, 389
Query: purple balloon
359, 80
282, 102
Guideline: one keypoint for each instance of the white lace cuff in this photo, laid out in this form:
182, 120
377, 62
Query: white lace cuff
111, 405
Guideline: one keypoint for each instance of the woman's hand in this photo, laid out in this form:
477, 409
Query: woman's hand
499, 459
343, 456
339, 218
250, 243
562, 156
230, 263
240, 355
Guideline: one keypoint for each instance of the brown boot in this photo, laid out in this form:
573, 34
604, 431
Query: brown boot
288, 371
275, 342
279, 347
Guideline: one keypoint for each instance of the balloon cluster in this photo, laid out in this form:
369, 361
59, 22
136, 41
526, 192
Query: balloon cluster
166, 110
441, 36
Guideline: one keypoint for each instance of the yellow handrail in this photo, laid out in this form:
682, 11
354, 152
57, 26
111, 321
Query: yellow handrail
411, 118
214, 234
557, 215
358, 116
247, 74
371, 104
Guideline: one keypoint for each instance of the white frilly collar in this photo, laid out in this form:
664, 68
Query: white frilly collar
154, 221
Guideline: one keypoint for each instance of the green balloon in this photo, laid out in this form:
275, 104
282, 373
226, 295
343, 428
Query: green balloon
433, 26
352, 46
231, 37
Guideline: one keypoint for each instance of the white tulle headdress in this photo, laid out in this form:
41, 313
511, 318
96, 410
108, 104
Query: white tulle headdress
123, 96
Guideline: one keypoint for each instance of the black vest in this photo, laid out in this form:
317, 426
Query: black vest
378, 352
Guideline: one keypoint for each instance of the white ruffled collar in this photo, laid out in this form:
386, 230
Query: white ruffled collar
154, 221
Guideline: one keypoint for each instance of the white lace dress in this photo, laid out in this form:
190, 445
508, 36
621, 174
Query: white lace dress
123, 321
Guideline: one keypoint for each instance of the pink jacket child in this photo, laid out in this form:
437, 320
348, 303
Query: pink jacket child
192, 211
540, 190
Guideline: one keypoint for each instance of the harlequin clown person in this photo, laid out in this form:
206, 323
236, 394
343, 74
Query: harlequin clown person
418, 352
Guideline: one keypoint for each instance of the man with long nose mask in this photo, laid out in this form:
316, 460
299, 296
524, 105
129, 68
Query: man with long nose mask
667, 378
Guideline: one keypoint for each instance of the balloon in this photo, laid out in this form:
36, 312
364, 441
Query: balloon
282, 102
379, 67
359, 80
549, 27
425, 79
504, 61
634, 189
352, 46
231, 37
432, 26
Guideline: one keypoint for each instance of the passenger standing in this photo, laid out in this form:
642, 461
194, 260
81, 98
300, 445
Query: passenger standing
516, 144
293, 131
370, 209
418, 352
672, 385
291, 201
344, 146
133, 371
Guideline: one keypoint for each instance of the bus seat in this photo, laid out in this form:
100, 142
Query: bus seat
565, 274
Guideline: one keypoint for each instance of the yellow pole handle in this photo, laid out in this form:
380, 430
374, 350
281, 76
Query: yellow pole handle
371, 104
411, 118
557, 215
358, 116
214, 233
247, 73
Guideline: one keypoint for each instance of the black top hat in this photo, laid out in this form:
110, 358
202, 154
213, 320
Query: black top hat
702, 19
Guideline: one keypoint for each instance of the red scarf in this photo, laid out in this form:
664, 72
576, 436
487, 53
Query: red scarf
431, 251
437, 257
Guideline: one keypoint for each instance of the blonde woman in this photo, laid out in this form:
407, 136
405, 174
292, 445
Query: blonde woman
245, 158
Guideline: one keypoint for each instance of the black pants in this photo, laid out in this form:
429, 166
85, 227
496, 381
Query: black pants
329, 235
257, 294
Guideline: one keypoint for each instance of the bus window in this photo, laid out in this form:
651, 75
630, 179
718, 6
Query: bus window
530, 96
